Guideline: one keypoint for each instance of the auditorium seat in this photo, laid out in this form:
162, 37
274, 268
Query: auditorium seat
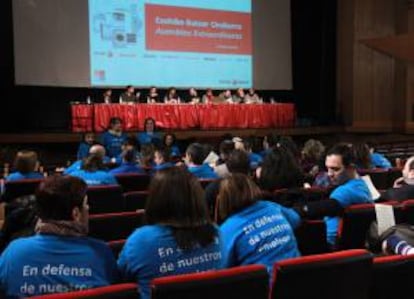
356, 221
292, 196
14, 189
379, 177
115, 226
392, 277
408, 211
340, 275
133, 182
250, 281
105, 199
116, 246
311, 237
135, 200
116, 291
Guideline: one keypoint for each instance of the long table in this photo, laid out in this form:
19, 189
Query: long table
95, 117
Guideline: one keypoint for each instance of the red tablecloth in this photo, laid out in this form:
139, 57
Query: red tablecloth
184, 116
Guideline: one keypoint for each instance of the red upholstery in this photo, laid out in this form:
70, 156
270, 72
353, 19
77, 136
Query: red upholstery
135, 200
133, 182
115, 226
14, 189
105, 199
240, 282
116, 291
339, 275
116, 246
392, 277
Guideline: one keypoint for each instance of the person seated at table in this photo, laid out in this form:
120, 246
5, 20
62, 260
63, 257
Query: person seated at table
179, 236
169, 142
172, 97
153, 97
226, 97
208, 97
114, 137
128, 97
60, 256
252, 97
149, 135
26, 166
94, 173
194, 158
128, 164
239, 96
192, 97
88, 139
162, 159
107, 96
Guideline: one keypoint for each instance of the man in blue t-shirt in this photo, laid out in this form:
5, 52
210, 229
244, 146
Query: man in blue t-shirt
349, 189
60, 257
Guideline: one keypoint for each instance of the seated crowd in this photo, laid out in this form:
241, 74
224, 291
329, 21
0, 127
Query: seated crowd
233, 220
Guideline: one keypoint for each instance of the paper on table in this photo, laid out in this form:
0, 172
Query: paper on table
374, 192
385, 217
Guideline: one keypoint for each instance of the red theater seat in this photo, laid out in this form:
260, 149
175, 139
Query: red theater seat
105, 199
135, 200
133, 182
14, 189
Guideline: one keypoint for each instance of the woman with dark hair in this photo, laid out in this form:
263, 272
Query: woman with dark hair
93, 172
149, 135
153, 96
26, 166
362, 156
60, 257
172, 97
253, 231
179, 238
169, 142
114, 137
88, 139
279, 170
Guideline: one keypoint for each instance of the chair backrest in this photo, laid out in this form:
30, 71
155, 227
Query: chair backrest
133, 182
339, 275
14, 189
105, 199
379, 177
392, 277
408, 211
250, 281
116, 291
311, 237
356, 221
116, 246
135, 200
115, 226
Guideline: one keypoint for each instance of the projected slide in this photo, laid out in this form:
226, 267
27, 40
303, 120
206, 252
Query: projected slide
181, 43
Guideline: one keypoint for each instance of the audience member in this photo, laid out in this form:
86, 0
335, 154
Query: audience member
170, 141
60, 257
404, 186
26, 166
129, 163
250, 146
114, 137
95, 149
378, 160
179, 238
88, 139
253, 231
312, 157
162, 159
94, 173
195, 155
226, 147
362, 156
150, 135
146, 159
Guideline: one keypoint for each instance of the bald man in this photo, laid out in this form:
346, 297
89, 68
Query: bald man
404, 186
95, 149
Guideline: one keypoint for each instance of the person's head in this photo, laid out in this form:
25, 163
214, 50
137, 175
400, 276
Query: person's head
153, 90
340, 164
225, 148
115, 124
108, 92
193, 92
236, 193
26, 161
130, 89
176, 199
209, 91
195, 153
149, 125
408, 170
251, 91
162, 155
92, 163
240, 91
238, 143
252, 144
238, 162
97, 150
62, 198
169, 139
279, 170
227, 93
129, 156
130, 144
89, 138
270, 141
172, 92
313, 150
288, 143
362, 155
147, 153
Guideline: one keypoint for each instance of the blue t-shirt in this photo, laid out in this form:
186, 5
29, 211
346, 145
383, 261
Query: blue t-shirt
147, 138
93, 178
53, 264
151, 251
113, 143
83, 150
161, 167
127, 168
260, 234
16, 176
378, 160
354, 191
203, 171
255, 160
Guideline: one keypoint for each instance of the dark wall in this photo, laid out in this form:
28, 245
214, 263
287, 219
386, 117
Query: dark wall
46, 109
